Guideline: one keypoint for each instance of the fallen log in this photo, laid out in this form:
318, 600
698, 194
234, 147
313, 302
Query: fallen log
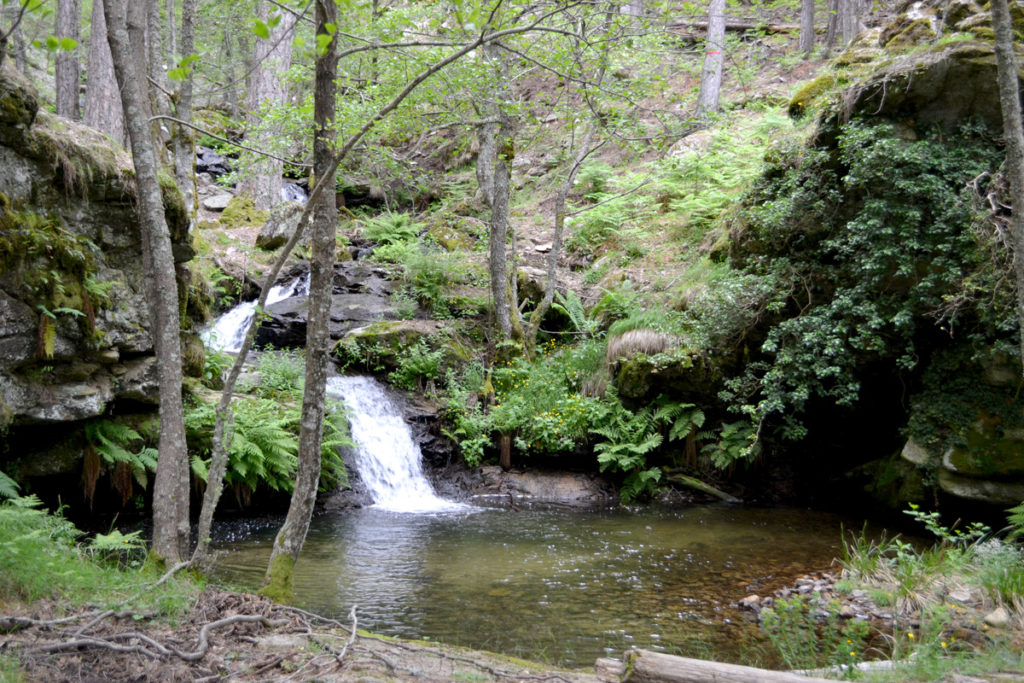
698, 485
644, 666
734, 25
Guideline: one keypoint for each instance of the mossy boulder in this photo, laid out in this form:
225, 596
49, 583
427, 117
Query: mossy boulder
381, 346
241, 212
810, 92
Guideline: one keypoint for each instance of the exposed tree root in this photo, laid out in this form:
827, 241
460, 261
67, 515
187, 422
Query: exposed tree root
244, 638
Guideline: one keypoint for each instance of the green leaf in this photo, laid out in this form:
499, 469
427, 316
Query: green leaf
261, 29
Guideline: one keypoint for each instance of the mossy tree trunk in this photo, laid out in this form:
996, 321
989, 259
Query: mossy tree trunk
1013, 130
292, 536
171, 486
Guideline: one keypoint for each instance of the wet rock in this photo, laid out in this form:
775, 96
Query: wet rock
751, 602
209, 161
565, 489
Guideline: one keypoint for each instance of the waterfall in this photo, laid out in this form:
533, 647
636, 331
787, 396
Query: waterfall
228, 332
387, 458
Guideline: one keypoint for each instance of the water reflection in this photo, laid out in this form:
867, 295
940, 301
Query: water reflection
554, 585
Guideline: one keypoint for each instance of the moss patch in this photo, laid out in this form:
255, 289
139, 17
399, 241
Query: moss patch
241, 212
280, 580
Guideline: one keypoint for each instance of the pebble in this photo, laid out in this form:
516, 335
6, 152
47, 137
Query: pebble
998, 618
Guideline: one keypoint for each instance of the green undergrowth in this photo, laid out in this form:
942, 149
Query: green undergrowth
264, 444
940, 596
44, 557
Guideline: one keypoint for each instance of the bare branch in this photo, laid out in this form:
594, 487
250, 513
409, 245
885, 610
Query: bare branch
233, 144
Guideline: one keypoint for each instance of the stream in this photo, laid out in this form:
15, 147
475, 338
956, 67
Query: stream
552, 585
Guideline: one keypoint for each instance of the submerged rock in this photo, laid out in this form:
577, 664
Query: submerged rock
490, 485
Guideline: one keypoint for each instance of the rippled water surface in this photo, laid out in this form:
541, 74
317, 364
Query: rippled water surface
559, 586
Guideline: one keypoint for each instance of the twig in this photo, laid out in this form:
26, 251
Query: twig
233, 144
352, 636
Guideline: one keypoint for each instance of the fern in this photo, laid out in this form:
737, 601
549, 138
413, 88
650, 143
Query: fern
391, 228
571, 306
113, 442
1015, 518
736, 442
8, 487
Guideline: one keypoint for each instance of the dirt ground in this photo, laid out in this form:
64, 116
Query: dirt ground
239, 637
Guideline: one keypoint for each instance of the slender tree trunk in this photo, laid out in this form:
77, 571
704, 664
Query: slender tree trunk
849, 23
15, 37
807, 27
1013, 130
170, 489
273, 57
68, 72
486, 134
172, 41
831, 27
183, 138
102, 109
711, 75
288, 543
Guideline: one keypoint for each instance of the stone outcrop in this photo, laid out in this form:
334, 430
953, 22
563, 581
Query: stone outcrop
361, 296
74, 323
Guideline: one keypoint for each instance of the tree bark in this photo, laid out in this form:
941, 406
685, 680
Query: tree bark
501, 172
172, 42
170, 488
67, 70
849, 24
1013, 131
711, 74
183, 138
832, 26
807, 27
290, 539
273, 57
102, 109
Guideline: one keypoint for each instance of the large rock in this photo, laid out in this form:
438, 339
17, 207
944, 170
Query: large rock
280, 226
361, 296
490, 485
68, 351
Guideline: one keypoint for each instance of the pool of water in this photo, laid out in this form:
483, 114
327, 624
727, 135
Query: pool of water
557, 586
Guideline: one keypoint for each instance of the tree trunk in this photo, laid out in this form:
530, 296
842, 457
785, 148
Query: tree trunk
711, 75
170, 488
644, 666
486, 134
67, 69
102, 109
1013, 131
273, 57
832, 26
288, 543
183, 138
172, 41
501, 172
807, 27
848, 22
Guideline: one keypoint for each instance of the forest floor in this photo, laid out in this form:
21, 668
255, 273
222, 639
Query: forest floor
228, 635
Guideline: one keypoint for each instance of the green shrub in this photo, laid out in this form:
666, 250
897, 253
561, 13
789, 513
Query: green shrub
806, 641
417, 363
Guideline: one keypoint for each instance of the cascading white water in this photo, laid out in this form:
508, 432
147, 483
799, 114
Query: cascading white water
387, 458
228, 332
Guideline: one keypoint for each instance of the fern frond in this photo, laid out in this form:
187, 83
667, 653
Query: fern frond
8, 487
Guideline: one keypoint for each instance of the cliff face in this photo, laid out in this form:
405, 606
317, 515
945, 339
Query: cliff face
74, 323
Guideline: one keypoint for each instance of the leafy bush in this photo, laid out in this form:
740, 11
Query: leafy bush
805, 641
872, 248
